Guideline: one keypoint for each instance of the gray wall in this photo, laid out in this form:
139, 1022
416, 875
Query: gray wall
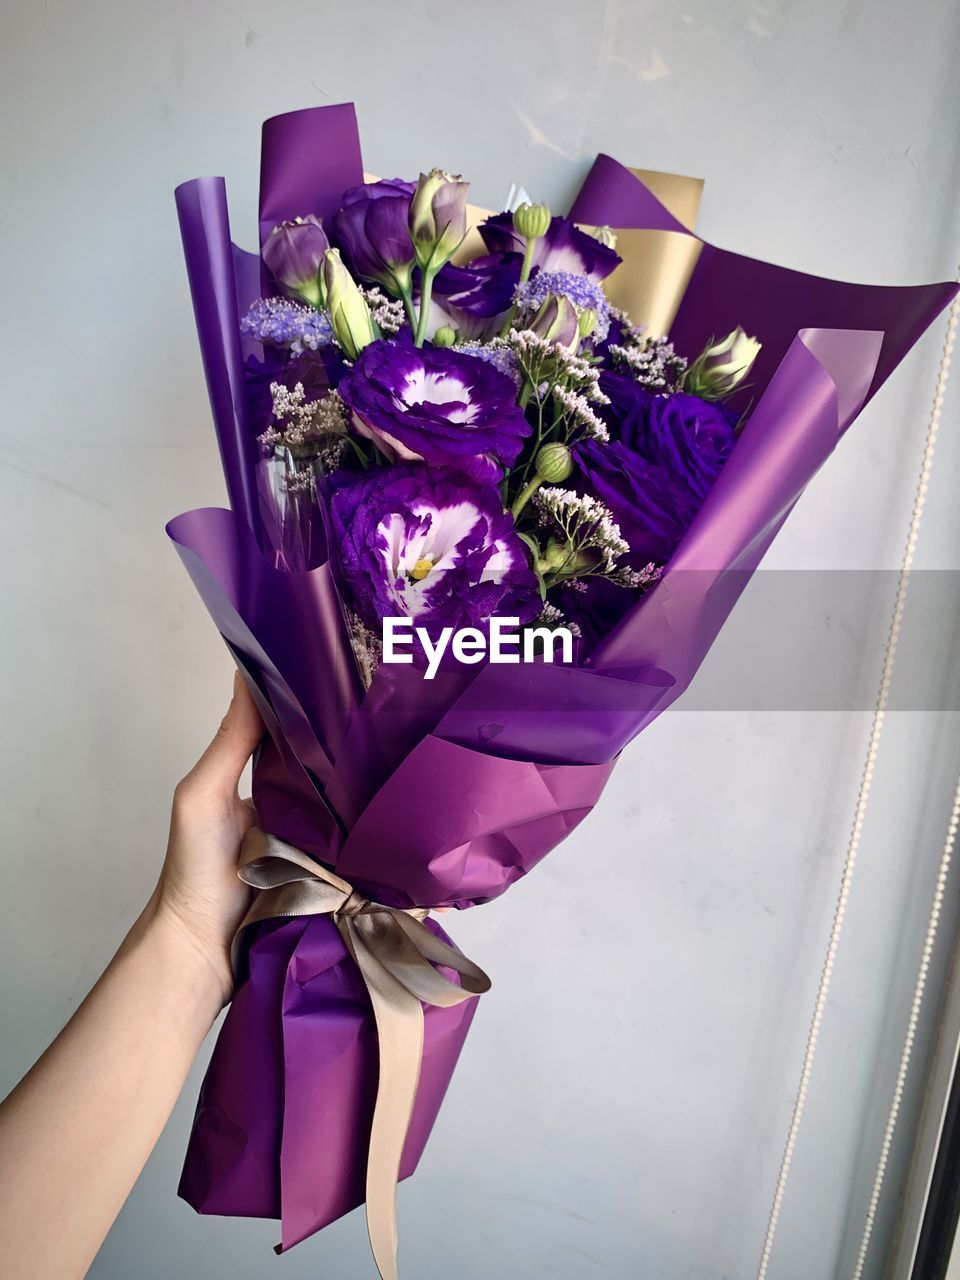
622, 1105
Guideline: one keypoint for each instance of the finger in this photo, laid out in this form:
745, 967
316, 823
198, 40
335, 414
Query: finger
241, 729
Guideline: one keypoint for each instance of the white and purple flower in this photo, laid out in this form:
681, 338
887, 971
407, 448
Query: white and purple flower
437, 406
475, 300
564, 247
413, 542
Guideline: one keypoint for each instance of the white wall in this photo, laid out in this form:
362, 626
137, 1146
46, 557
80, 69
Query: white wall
621, 1109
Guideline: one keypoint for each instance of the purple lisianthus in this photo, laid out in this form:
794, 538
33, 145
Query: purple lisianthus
665, 454
371, 230
691, 438
476, 299
564, 247
293, 252
651, 511
436, 406
412, 542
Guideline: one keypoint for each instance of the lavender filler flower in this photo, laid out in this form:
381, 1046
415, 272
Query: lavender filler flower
283, 323
437, 406
426, 545
584, 293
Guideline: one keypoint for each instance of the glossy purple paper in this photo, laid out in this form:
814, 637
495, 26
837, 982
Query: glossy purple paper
445, 793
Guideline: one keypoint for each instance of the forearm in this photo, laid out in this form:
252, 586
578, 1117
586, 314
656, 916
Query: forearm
77, 1130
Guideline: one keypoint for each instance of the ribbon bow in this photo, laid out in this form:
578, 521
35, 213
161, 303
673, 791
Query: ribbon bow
396, 954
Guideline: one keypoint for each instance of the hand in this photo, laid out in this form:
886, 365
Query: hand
77, 1129
199, 891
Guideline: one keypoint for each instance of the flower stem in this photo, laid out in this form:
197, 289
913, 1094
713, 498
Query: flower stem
426, 289
528, 259
526, 268
407, 296
525, 494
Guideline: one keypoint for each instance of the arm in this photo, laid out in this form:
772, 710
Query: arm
77, 1130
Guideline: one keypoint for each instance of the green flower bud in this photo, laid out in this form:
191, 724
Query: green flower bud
587, 322
438, 218
722, 366
553, 557
605, 235
531, 221
554, 463
445, 336
349, 314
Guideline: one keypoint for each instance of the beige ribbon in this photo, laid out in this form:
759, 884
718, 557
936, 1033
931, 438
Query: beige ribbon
396, 954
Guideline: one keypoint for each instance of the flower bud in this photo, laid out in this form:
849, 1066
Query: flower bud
554, 463
438, 218
531, 221
722, 366
587, 322
554, 556
293, 252
606, 235
557, 321
349, 314
445, 336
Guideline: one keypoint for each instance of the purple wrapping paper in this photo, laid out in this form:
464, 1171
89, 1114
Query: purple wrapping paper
445, 793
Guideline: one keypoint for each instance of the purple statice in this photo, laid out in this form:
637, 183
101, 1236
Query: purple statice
414, 542
584, 293
284, 323
435, 405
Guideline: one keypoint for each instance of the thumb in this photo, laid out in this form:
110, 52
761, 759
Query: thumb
241, 729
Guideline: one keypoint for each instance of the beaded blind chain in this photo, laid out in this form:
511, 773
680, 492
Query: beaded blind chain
853, 848
926, 955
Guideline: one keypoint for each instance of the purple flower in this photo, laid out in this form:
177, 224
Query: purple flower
564, 248
279, 322
475, 299
372, 231
437, 406
293, 252
691, 439
652, 512
415, 543
665, 456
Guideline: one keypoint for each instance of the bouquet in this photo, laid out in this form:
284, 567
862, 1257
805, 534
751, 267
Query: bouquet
496, 481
